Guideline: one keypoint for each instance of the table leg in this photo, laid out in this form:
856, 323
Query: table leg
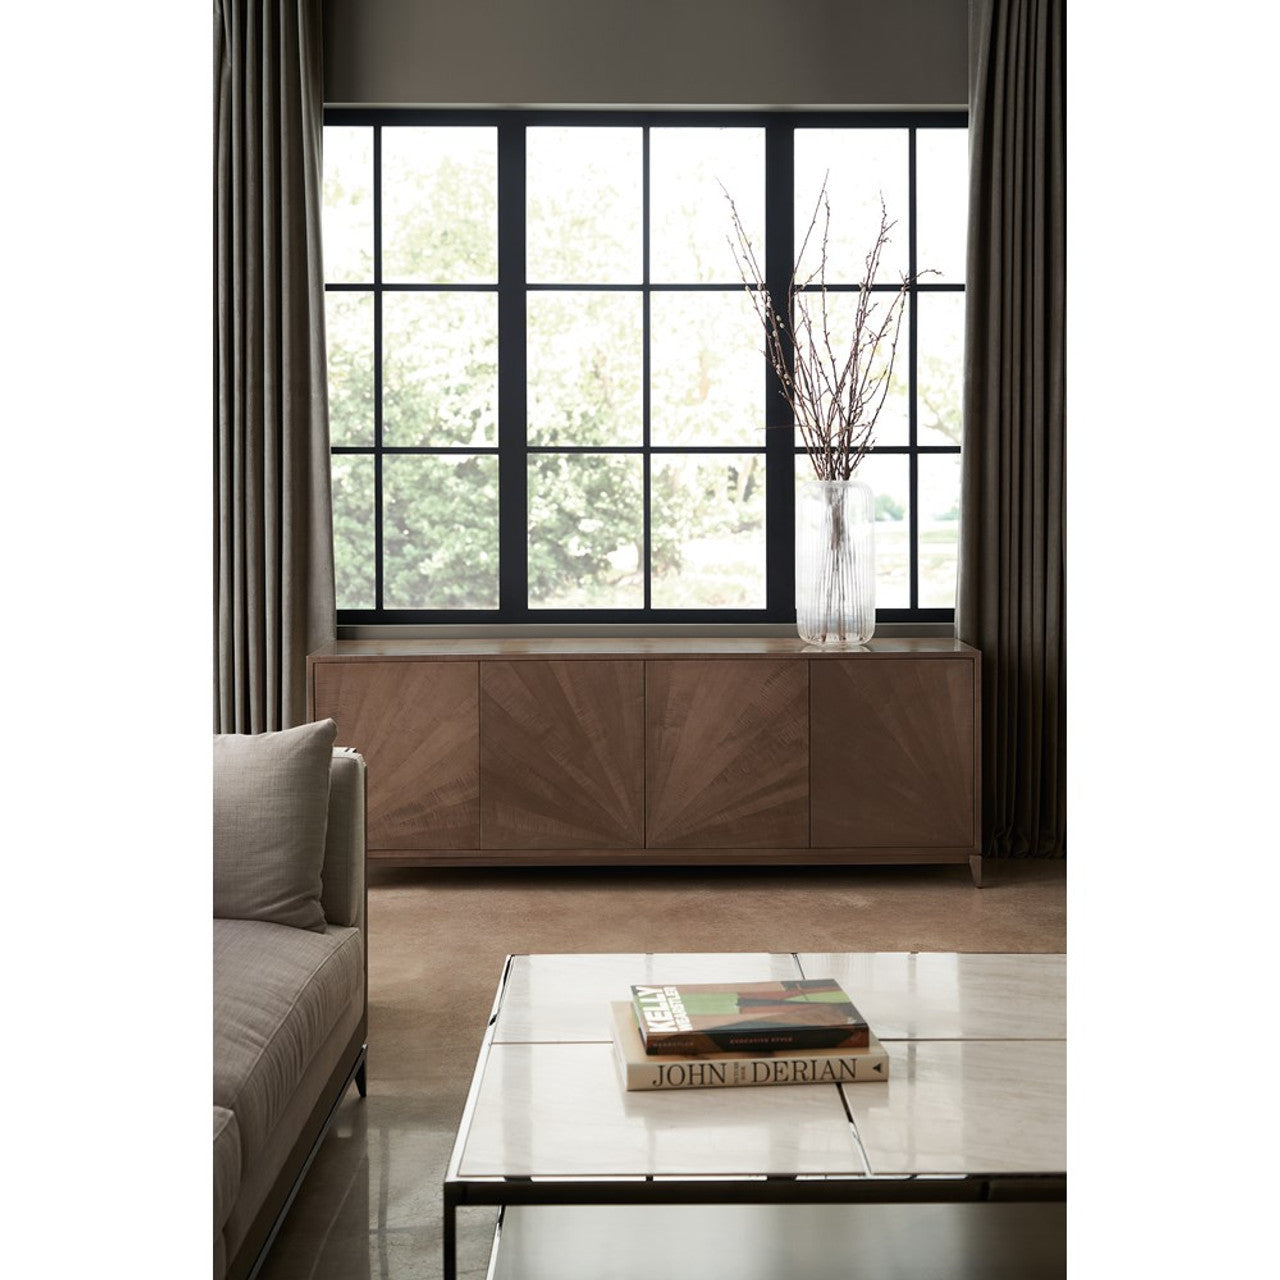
450, 1234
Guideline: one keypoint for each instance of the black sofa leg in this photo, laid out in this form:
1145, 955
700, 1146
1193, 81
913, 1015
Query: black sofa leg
361, 1079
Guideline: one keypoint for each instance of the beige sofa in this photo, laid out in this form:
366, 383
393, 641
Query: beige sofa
290, 998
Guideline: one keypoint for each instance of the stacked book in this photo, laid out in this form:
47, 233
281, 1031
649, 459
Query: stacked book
703, 1035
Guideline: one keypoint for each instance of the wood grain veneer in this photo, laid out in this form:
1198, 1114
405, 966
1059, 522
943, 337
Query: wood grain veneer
727, 753
418, 727
893, 754
562, 755
691, 750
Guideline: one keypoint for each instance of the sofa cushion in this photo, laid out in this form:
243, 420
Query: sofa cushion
278, 995
270, 813
274, 1167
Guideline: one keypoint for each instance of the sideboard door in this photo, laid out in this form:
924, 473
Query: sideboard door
562, 755
727, 745
893, 753
417, 724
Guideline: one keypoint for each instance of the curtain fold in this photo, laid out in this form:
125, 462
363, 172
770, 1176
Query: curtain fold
273, 540
1011, 589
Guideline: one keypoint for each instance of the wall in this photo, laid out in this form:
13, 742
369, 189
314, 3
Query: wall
749, 53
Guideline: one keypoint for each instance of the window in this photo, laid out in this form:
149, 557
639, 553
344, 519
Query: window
549, 398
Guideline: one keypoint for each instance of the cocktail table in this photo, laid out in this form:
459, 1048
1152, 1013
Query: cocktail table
955, 1166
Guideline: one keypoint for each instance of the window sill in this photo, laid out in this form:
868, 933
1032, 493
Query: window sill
567, 630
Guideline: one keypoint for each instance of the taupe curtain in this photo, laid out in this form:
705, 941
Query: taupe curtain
1011, 601
273, 544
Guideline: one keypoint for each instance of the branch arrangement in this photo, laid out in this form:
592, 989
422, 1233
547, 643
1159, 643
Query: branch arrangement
834, 390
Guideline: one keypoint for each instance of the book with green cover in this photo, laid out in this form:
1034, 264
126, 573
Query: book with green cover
640, 1070
750, 1017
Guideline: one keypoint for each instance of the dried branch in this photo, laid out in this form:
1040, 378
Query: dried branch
835, 392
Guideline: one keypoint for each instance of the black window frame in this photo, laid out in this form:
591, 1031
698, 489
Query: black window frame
512, 450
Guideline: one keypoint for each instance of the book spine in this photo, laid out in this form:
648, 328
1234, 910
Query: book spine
756, 1041
710, 1073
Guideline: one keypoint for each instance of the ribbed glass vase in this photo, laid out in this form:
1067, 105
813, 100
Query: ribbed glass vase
835, 562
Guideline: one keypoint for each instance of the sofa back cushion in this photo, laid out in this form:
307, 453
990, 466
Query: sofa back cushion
270, 813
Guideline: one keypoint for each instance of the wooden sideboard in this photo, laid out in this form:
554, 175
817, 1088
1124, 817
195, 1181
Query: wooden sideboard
633, 751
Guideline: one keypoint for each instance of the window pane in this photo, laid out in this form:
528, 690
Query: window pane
440, 369
707, 532
690, 221
583, 187
440, 205
585, 368
863, 163
707, 369
440, 531
348, 319
891, 422
586, 531
889, 479
942, 202
939, 529
940, 353
347, 228
353, 531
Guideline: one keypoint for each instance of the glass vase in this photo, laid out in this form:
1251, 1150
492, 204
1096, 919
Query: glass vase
835, 562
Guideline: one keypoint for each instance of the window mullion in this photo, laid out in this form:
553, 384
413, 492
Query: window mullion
913, 319
645, 369
378, 536
780, 465
513, 475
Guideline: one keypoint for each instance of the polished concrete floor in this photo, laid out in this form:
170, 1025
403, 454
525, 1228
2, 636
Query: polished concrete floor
371, 1205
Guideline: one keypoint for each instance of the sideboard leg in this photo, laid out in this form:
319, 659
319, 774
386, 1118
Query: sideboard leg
975, 867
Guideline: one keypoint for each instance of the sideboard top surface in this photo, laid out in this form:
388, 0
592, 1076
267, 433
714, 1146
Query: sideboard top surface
637, 647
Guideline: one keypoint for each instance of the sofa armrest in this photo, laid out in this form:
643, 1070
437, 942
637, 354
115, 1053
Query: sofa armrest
342, 877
